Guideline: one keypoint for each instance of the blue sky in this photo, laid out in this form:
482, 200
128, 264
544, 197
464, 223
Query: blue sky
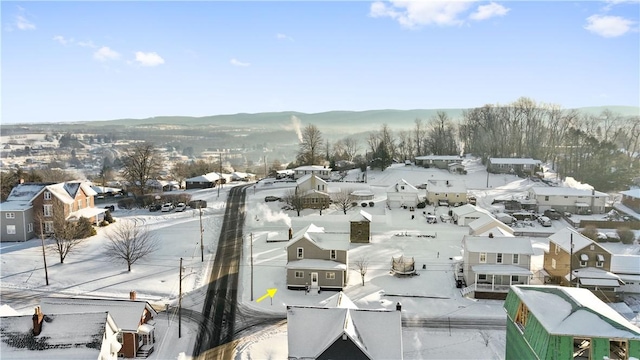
77, 61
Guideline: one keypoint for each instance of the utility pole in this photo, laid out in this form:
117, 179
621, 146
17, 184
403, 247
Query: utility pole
251, 247
44, 257
180, 303
220, 179
201, 232
571, 261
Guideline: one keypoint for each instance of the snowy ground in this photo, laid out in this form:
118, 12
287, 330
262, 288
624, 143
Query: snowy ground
87, 272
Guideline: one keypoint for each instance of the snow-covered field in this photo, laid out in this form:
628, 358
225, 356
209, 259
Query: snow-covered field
88, 272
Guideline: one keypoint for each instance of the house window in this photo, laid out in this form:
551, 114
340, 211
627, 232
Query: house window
546, 198
333, 255
331, 276
499, 258
618, 349
48, 227
556, 249
515, 279
553, 263
299, 274
599, 260
300, 253
79, 204
483, 257
30, 227
10, 215
581, 348
11, 229
584, 258
516, 259
48, 210
522, 315
47, 195
88, 202
482, 277
592, 247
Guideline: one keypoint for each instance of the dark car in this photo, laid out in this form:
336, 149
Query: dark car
155, 207
271, 198
552, 214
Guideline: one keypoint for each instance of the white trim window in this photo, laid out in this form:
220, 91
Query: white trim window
499, 258
331, 276
10, 215
584, 258
553, 263
299, 274
333, 254
300, 252
47, 210
599, 260
30, 227
483, 258
48, 227
516, 259
11, 229
47, 195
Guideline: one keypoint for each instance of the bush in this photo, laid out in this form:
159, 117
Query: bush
421, 205
126, 203
371, 203
104, 223
364, 204
626, 235
591, 232
354, 204
84, 228
107, 217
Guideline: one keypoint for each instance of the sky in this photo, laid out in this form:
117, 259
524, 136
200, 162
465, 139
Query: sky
85, 60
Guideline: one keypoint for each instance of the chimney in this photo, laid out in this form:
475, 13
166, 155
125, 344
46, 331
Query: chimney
398, 306
132, 295
491, 235
37, 321
290, 233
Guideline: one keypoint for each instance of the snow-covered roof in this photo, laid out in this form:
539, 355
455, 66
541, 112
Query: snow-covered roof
564, 237
397, 187
567, 191
361, 216
507, 245
377, 333
86, 213
440, 157
326, 241
67, 191
594, 273
485, 222
6, 310
63, 336
26, 192
468, 209
105, 189
126, 313
515, 161
308, 177
320, 264
340, 300
15, 206
312, 168
635, 193
625, 264
446, 186
497, 269
210, 177
574, 311
496, 231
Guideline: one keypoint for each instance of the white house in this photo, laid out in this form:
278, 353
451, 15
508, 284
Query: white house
627, 267
577, 201
437, 161
465, 214
402, 194
446, 192
322, 172
487, 224
314, 192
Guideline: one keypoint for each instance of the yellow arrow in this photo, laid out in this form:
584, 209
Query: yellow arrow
270, 293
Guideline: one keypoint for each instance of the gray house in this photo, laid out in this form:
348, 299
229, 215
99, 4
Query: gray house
512, 165
17, 215
492, 264
438, 161
317, 260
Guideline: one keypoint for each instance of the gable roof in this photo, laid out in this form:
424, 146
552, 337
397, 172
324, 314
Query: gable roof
312, 168
63, 336
322, 240
487, 222
126, 313
361, 216
625, 264
566, 191
574, 311
502, 244
27, 191
67, 191
310, 177
378, 333
210, 177
440, 157
564, 237
515, 161
408, 188
635, 193
446, 186
468, 209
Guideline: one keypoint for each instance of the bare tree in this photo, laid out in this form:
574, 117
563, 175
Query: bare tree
141, 163
342, 200
310, 146
180, 172
129, 242
294, 200
67, 236
362, 264
351, 147
420, 134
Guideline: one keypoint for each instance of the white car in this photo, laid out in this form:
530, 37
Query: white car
166, 207
181, 207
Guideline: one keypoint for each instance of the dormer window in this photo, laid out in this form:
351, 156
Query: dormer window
47, 195
300, 253
583, 260
599, 260
333, 255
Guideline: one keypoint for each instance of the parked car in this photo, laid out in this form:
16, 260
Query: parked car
544, 221
181, 207
166, 207
155, 207
552, 214
271, 198
432, 219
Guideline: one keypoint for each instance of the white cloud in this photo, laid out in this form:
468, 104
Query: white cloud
413, 14
105, 53
149, 59
236, 62
23, 23
62, 40
608, 26
488, 11
88, 44
283, 37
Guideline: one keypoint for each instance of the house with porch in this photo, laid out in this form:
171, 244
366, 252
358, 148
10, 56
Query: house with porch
492, 264
320, 171
438, 161
134, 319
52, 336
516, 166
402, 194
574, 260
446, 192
340, 330
566, 199
314, 192
32, 205
317, 260
555, 322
